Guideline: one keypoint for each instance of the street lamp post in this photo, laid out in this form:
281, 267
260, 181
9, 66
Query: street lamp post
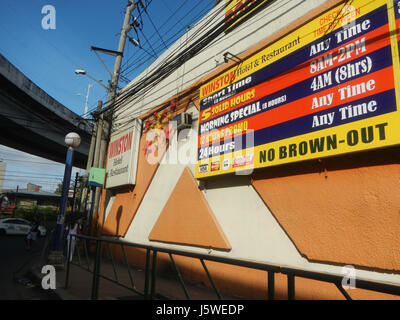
56, 258
81, 71
95, 145
85, 115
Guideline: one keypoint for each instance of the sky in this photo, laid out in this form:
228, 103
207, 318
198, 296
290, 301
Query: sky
49, 57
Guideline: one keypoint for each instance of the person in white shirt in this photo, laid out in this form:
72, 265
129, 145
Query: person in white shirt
73, 229
32, 235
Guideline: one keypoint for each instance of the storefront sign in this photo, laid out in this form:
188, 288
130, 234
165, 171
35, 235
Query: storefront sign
327, 88
122, 157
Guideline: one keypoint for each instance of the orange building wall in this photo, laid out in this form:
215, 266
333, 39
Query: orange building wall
342, 210
187, 219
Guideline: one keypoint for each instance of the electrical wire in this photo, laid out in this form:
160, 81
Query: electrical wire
141, 110
91, 110
178, 21
165, 22
195, 34
155, 28
124, 98
142, 60
171, 62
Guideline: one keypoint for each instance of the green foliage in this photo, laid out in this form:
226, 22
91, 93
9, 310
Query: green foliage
42, 213
58, 189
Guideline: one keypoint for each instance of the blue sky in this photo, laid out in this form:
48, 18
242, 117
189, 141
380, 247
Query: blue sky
49, 57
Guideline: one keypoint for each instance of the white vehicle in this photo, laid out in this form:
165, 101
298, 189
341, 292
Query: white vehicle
18, 226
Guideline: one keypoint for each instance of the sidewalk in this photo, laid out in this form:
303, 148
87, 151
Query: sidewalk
80, 284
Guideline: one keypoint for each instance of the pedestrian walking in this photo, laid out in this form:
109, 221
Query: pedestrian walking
73, 230
32, 235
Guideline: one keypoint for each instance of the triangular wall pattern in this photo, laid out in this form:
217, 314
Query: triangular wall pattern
187, 219
126, 204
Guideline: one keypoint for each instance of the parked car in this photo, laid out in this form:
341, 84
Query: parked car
18, 226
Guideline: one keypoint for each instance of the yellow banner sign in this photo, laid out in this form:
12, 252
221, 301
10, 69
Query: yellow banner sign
234, 8
328, 88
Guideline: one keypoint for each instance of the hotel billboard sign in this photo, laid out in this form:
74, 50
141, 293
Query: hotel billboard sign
329, 87
122, 157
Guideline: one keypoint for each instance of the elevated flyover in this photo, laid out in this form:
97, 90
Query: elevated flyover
33, 122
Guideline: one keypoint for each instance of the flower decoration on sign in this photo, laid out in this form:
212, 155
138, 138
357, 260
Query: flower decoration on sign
147, 147
168, 130
158, 125
172, 107
161, 130
147, 125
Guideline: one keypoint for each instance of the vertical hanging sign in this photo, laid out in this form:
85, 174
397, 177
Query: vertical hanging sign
122, 157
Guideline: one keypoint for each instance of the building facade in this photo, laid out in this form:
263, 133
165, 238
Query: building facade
33, 187
287, 153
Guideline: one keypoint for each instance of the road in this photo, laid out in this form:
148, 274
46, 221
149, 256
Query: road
15, 261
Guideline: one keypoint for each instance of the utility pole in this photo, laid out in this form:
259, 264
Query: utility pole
90, 163
126, 27
96, 155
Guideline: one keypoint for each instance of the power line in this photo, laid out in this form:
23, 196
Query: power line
140, 12
155, 28
171, 62
142, 60
148, 42
153, 84
173, 37
208, 25
174, 60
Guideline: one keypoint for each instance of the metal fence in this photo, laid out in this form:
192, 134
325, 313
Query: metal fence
150, 282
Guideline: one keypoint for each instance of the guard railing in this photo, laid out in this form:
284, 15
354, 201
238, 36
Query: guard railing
150, 269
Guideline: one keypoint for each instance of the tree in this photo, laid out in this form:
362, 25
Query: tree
59, 189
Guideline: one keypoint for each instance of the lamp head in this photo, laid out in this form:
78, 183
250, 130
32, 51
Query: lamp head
80, 71
72, 140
